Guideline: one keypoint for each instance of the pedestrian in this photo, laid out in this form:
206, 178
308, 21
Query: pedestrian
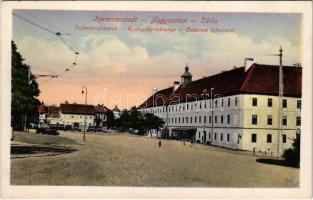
160, 144
253, 150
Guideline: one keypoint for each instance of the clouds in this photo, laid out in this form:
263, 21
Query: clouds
141, 61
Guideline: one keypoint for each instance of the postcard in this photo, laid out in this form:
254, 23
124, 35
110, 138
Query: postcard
159, 100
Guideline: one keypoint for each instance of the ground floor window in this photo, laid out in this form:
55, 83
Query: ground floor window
298, 123
227, 137
269, 138
221, 136
284, 138
253, 138
215, 136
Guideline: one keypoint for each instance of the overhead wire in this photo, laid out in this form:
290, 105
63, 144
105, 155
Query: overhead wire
57, 34
42, 20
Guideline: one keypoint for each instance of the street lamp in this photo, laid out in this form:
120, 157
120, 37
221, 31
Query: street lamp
84, 90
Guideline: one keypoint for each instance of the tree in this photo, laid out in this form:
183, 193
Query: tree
152, 122
24, 92
110, 119
292, 155
134, 119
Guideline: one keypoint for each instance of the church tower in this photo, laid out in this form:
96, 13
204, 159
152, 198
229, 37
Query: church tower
186, 77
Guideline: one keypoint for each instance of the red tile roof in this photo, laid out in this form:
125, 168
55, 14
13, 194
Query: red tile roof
116, 109
67, 108
48, 109
264, 79
77, 109
160, 98
259, 79
101, 109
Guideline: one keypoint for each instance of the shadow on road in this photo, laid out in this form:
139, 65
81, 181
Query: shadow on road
17, 150
275, 162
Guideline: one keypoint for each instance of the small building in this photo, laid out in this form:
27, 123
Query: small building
116, 112
74, 116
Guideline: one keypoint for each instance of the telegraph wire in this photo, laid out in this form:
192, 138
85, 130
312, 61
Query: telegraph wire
59, 35
35, 24
40, 19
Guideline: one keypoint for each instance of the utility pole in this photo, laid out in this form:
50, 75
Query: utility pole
36, 76
83, 91
212, 106
153, 93
281, 92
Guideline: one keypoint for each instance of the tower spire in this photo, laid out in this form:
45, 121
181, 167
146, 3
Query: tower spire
186, 77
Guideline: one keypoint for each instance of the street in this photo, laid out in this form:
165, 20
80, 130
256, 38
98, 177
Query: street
128, 160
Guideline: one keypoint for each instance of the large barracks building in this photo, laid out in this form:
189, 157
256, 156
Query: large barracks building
237, 109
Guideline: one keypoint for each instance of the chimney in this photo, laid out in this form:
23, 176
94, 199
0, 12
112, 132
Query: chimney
297, 65
176, 85
154, 90
248, 63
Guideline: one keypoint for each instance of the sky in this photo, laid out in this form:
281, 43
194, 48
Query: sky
121, 67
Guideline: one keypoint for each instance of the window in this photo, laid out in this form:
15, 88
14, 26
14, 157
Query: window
269, 102
285, 120
222, 119
299, 104
175, 120
228, 119
210, 119
227, 137
254, 119
179, 120
284, 103
190, 119
284, 138
195, 119
236, 101
269, 120
269, 138
254, 101
204, 119
209, 136
200, 104
221, 136
222, 103
215, 119
215, 136
199, 119
228, 102
298, 121
253, 138
186, 120
183, 119
235, 119
199, 134
205, 105
187, 106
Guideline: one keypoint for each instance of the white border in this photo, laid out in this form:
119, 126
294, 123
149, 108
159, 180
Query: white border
304, 191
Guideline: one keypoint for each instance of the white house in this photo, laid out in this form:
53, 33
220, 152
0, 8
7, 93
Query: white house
237, 109
74, 115
116, 112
